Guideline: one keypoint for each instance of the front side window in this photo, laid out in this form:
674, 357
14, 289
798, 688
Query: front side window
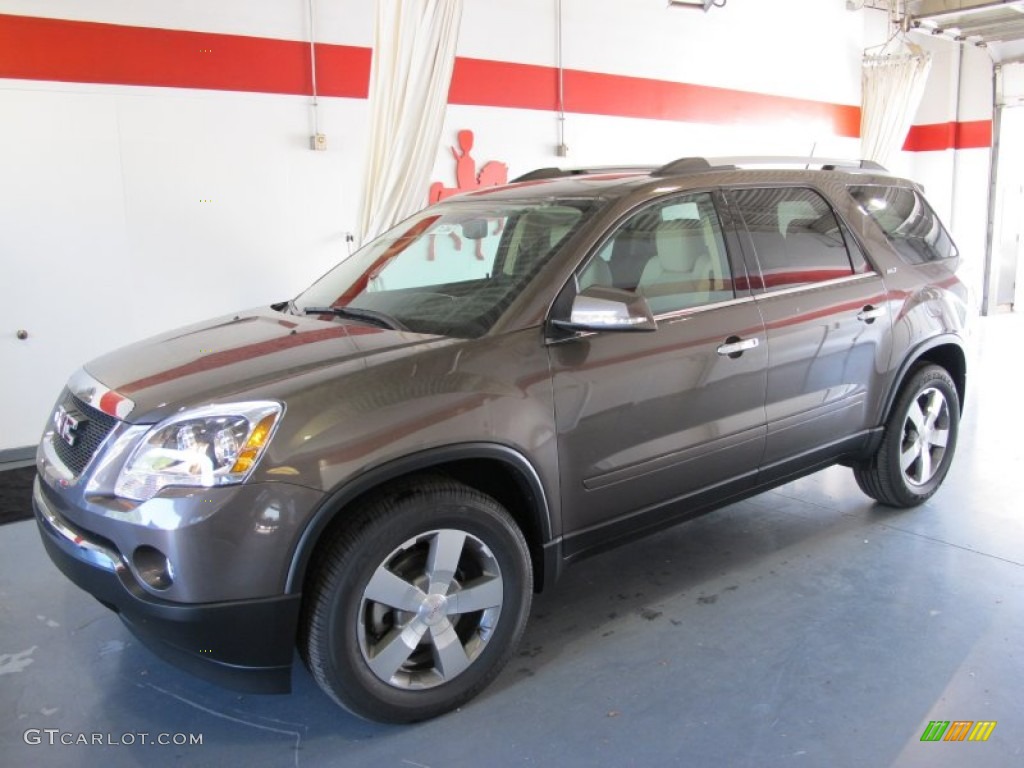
671, 252
452, 269
796, 236
908, 221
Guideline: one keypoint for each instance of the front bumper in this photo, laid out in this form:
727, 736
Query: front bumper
247, 645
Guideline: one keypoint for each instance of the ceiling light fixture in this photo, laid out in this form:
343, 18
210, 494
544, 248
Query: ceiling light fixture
704, 5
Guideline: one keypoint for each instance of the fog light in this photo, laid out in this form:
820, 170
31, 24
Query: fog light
153, 567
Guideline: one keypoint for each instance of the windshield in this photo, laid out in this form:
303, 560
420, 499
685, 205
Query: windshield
452, 269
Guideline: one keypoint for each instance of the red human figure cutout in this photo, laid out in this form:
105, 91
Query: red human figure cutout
432, 245
465, 164
492, 174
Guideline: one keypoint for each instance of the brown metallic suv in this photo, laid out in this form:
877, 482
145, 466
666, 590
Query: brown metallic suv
387, 466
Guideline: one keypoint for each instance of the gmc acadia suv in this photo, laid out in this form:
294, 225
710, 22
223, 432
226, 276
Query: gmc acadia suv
386, 467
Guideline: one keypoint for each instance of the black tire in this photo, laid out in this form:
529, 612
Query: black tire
348, 624
910, 465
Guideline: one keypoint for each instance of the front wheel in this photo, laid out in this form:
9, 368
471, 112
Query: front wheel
418, 602
918, 443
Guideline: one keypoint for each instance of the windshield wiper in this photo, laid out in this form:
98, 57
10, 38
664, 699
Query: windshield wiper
381, 319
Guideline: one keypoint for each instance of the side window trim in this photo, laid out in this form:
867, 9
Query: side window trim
721, 211
809, 287
954, 252
753, 278
854, 245
732, 225
757, 283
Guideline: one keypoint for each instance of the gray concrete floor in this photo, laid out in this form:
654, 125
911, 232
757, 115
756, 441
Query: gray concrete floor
803, 627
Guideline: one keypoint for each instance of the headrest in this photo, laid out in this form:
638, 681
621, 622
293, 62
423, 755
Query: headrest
799, 211
680, 245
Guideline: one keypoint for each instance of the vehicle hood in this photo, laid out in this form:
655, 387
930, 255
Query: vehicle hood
210, 361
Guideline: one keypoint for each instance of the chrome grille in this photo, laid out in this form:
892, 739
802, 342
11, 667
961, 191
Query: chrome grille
93, 428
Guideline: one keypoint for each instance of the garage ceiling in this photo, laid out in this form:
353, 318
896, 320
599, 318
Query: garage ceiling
975, 21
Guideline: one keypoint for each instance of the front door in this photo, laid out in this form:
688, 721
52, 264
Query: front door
649, 418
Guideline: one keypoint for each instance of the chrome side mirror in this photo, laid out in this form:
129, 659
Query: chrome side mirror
599, 308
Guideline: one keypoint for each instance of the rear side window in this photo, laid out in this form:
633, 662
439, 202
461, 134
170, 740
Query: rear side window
795, 234
908, 221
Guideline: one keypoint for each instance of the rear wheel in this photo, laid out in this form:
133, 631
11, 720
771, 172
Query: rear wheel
417, 604
918, 444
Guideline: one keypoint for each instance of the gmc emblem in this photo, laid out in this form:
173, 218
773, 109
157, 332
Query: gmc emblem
66, 424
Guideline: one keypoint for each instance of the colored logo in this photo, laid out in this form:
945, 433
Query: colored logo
66, 424
492, 174
958, 730
466, 177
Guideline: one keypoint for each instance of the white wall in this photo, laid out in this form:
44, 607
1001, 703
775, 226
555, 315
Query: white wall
133, 211
105, 235
748, 45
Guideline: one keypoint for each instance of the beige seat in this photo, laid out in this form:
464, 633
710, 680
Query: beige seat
631, 251
679, 275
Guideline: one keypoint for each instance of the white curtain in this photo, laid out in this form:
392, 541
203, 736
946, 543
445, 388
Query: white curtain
413, 57
893, 85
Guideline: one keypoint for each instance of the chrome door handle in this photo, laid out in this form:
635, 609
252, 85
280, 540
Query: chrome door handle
734, 346
869, 314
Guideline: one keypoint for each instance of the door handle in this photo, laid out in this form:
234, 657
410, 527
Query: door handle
734, 346
869, 314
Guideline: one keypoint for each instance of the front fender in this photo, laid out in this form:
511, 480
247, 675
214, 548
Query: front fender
339, 498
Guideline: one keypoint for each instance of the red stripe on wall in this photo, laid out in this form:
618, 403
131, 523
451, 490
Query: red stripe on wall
503, 84
343, 70
597, 93
85, 52
497, 83
976, 134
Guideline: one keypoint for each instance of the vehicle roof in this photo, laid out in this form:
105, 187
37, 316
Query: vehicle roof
605, 184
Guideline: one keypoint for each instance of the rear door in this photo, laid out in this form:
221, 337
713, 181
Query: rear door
645, 418
826, 319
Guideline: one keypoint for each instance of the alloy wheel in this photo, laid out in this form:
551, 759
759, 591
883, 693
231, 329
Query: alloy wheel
925, 436
429, 609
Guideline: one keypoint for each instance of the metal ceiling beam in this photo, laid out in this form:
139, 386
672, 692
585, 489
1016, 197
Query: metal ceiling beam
980, 21
926, 9
1002, 31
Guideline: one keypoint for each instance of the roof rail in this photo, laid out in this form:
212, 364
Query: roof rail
561, 173
697, 164
821, 163
683, 165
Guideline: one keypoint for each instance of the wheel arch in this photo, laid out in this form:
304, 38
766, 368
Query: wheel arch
494, 469
945, 351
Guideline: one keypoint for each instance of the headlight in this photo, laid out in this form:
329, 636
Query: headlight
212, 445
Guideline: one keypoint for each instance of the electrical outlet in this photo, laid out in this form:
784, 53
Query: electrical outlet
318, 142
